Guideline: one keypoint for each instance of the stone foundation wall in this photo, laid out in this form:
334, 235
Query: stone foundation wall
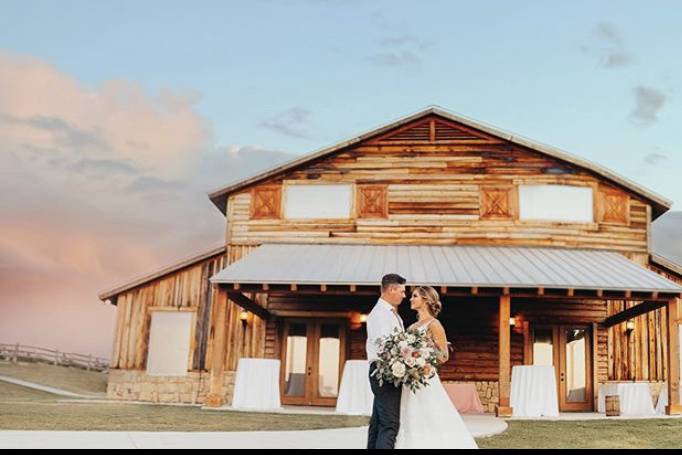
133, 385
489, 393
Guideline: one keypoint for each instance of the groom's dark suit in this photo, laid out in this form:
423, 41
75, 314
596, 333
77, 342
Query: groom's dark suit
385, 422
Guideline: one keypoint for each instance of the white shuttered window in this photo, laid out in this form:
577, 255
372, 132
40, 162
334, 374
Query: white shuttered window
169, 343
556, 203
318, 201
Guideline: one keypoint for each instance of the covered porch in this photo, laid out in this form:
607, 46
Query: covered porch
500, 306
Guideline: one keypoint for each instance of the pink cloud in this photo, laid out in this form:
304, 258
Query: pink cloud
160, 133
99, 185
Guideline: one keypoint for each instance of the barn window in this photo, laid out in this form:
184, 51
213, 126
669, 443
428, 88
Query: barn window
169, 343
556, 203
318, 201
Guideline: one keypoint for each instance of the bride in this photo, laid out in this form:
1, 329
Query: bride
428, 419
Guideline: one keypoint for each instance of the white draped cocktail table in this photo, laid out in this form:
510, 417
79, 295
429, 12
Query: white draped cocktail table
257, 385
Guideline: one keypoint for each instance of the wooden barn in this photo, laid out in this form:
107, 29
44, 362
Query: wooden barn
539, 256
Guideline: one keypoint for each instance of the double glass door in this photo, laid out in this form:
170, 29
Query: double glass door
569, 349
313, 355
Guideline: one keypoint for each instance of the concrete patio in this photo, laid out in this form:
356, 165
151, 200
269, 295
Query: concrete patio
346, 438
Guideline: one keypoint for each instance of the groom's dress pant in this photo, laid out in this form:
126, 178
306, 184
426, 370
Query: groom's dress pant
385, 422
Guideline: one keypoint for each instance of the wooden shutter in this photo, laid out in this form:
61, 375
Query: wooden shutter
372, 201
613, 206
266, 202
499, 203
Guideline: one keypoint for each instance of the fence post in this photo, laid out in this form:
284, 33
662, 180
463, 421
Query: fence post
16, 353
89, 361
56, 358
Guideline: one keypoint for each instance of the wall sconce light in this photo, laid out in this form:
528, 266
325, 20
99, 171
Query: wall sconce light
630, 326
244, 316
357, 320
512, 322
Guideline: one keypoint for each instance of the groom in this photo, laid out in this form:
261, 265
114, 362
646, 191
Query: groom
384, 318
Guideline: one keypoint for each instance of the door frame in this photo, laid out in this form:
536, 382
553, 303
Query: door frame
559, 341
313, 327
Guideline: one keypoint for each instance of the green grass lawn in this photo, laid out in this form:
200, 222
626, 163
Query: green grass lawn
599, 434
72, 380
25, 409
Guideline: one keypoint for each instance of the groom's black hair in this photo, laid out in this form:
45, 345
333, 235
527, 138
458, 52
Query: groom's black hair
390, 279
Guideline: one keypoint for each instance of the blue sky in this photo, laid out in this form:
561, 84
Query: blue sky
116, 117
297, 75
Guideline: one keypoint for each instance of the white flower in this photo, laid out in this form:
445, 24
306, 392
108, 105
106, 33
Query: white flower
403, 345
411, 339
421, 362
398, 370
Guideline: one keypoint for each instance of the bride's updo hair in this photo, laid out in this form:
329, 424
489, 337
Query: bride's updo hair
431, 299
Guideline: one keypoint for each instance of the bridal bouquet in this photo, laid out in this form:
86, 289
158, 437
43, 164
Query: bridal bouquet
407, 358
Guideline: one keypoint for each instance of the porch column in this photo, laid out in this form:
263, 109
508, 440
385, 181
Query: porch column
673, 407
216, 393
503, 408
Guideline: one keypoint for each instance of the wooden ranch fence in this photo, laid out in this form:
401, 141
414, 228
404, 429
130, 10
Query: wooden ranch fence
18, 352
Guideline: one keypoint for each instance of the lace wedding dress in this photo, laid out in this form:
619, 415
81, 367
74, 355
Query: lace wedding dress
429, 420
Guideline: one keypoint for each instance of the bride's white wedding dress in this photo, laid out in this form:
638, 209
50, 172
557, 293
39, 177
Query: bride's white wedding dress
429, 420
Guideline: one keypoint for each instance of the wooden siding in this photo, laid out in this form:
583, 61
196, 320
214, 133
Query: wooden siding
184, 289
434, 196
443, 185
640, 354
240, 343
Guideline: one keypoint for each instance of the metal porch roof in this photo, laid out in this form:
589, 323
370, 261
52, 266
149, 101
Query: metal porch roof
461, 266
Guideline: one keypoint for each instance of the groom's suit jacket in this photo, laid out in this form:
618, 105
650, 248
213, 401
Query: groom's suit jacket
380, 323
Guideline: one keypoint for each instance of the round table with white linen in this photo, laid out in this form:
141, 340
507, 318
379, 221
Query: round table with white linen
355, 393
635, 398
257, 385
663, 400
534, 391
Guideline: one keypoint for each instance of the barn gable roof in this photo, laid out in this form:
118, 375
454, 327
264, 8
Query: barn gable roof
660, 204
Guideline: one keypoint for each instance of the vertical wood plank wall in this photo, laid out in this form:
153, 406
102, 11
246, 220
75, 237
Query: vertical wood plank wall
240, 342
642, 353
185, 288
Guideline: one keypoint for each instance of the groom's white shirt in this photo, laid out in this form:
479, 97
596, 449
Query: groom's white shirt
380, 323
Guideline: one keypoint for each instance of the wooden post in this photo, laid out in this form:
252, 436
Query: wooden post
56, 358
527, 344
595, 366
503, 408
216, 396
673, 407
16, 353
